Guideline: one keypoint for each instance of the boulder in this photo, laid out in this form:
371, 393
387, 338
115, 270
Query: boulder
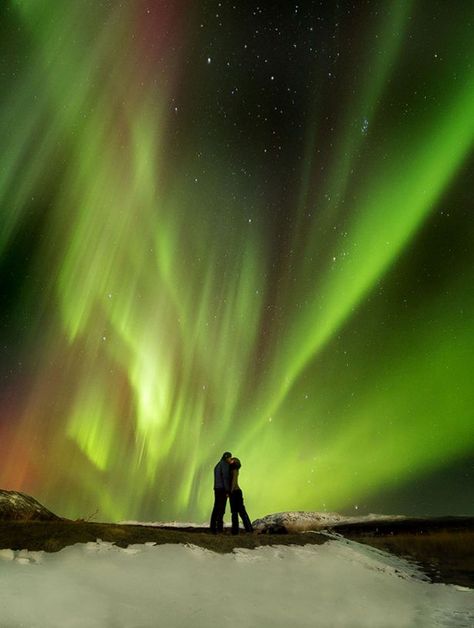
300, 521
295, 521
15, 506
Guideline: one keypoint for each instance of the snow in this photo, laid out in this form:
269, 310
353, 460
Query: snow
340, 583
166, 524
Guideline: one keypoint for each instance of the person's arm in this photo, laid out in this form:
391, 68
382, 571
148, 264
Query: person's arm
227, 475
222, 474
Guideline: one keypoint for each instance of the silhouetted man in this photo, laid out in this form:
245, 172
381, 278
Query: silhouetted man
222, 479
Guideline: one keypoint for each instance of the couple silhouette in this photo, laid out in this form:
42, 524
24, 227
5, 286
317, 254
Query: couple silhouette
226, 474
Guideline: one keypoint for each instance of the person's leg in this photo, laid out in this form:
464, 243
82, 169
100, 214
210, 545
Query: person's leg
213, 523
245, 518
217, 516
235, 504
221, 501
246, 521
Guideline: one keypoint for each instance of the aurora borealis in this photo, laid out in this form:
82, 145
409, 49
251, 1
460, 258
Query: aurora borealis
235, 226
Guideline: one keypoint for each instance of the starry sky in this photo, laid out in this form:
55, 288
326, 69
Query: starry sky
237, 226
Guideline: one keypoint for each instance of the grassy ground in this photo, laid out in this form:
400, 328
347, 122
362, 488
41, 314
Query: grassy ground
52, 536
445, 556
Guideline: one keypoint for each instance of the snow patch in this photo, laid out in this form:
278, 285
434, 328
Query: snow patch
340, 583
166, 524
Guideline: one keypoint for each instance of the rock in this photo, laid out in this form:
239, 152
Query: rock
297, 521
15, 506
273, 529
300, 521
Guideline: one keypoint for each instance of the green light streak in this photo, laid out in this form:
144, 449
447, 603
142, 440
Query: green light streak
393, 207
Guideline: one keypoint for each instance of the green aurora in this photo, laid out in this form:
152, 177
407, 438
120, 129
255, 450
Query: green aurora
178, 282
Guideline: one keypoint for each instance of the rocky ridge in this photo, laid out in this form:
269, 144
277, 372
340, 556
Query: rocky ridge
16, 506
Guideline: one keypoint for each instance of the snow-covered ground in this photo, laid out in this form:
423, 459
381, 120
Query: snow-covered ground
339, 583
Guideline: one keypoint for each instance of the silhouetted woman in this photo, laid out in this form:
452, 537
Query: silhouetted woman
237, 500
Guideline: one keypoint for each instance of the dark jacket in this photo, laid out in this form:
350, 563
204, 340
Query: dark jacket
222, 475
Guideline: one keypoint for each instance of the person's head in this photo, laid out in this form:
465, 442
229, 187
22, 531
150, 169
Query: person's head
227, 456
235, 463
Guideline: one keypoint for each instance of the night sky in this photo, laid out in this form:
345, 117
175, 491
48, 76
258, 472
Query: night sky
237, 226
